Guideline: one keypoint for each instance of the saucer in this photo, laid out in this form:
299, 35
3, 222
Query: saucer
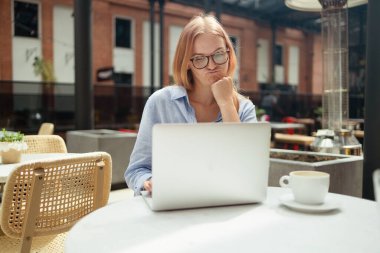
329, 205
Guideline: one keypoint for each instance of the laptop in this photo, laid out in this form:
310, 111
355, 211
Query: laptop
208, 164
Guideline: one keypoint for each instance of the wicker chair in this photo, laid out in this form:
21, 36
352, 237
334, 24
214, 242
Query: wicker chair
43, 200
44, 144
46, 129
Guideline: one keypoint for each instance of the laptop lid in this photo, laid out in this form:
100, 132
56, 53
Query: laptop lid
209, 164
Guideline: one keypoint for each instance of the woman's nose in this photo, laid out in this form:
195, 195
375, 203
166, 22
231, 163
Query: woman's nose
211, 64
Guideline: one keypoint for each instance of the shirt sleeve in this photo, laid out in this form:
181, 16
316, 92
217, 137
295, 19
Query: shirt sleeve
247, 111
140, 166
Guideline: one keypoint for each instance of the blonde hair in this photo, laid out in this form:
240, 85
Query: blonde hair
201, 24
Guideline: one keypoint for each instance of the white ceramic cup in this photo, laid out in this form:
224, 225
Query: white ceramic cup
308, 187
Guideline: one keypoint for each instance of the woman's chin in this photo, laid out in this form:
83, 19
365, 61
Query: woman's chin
209, 81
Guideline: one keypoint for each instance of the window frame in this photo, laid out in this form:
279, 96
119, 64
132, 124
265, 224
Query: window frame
132, 31
39, 25
279, 46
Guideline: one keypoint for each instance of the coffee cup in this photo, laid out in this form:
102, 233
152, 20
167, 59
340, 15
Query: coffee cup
308, 187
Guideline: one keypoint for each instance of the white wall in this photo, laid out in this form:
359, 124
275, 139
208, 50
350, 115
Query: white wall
279, 74
124, 60
174, 33
262, 61
63, 44
146, 54
293, 70
24, 50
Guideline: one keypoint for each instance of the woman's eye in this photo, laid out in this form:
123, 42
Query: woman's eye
199, 59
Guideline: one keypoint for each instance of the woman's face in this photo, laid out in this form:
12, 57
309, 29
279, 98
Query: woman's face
208, 45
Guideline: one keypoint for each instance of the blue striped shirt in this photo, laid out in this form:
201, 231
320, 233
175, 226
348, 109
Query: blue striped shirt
168, 105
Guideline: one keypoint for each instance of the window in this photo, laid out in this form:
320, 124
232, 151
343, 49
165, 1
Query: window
234, 42
122, 79
25, 19
262, 61
278, 55
123, 33
123, 52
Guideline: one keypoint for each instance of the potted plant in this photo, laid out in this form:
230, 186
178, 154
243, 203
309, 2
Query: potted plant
44, 69
260, 114
11, 146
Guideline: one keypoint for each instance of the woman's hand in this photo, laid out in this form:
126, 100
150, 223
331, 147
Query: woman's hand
148, 185
226, 98
223, 91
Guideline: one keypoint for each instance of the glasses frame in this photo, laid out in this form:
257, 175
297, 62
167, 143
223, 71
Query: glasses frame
212, 57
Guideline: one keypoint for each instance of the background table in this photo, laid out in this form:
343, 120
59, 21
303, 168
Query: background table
304, 141
6, 169
130, 226
277, 126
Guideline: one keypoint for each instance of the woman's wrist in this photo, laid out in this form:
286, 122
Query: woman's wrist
229, 112
226, 104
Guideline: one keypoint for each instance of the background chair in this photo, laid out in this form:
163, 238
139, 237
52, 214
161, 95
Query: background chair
43, 200
44, 144
46, 129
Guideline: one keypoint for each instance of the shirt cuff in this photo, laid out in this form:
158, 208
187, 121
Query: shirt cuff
140, 183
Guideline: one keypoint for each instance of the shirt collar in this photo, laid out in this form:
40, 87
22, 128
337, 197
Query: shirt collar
178, 92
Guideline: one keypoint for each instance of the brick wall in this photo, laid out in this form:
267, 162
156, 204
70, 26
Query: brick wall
5, 40
138, 10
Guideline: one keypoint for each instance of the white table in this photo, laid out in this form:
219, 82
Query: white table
129, 226
286, 126
6, 169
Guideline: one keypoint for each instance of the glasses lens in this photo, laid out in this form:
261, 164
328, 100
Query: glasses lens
200, 61
220, 57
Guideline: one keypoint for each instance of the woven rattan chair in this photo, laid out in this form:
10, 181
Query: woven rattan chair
44, 144
46, 129
43, 200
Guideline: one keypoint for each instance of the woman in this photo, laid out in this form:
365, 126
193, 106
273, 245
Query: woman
203, 66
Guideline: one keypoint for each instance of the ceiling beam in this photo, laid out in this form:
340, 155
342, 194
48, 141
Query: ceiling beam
282, 15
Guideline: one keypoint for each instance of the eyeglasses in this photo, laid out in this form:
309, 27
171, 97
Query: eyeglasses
201, 61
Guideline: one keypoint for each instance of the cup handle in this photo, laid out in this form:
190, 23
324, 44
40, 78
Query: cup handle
282, 181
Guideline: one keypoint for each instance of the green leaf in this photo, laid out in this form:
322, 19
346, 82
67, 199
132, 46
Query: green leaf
10, 136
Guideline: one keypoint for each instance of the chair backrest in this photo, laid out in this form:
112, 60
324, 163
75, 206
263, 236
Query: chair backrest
44, 144
46, 129
49, 197
376, 184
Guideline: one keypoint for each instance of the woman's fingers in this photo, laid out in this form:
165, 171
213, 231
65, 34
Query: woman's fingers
148, 185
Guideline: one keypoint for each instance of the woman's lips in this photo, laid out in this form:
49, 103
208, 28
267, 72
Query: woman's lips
215, 72
215, 75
